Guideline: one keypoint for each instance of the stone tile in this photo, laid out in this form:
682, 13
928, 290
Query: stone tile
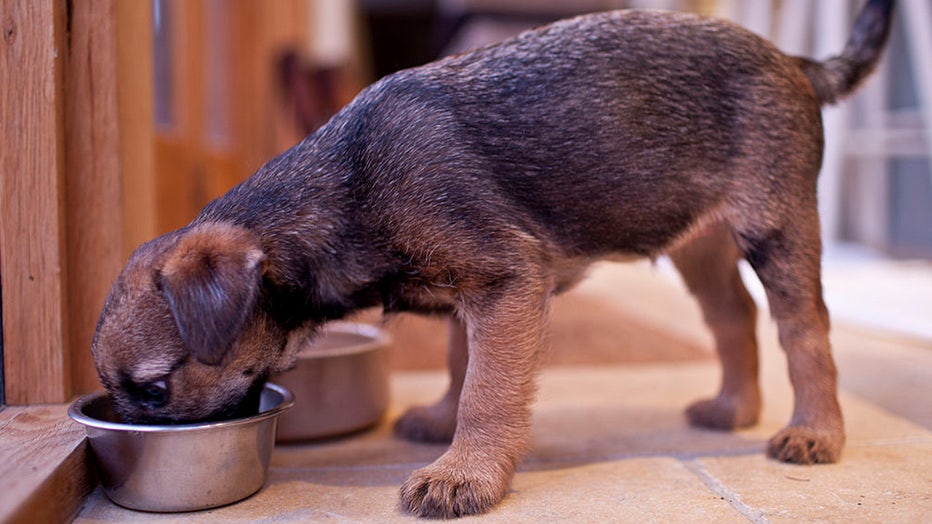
893, 372
609, 444
887, 295
865, 423
290, 495
649, 293
622, 412
598, 413
375, 448
880, 483
629, 412
636, 490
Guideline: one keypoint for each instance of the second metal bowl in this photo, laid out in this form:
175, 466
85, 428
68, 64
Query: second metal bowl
340, 383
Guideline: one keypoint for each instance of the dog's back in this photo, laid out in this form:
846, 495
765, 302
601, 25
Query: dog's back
613, 132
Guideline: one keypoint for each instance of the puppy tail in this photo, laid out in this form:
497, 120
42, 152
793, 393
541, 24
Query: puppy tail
839, 76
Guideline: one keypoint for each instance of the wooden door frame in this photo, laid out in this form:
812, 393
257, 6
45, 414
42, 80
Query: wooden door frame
76, 164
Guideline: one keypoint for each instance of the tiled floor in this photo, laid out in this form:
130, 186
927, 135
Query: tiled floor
610, 443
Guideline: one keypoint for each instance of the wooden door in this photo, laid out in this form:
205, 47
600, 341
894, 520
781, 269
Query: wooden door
215, 97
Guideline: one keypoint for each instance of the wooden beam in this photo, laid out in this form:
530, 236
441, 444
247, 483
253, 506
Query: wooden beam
45, 466
92, 176
135, 121
32, 163
109, 159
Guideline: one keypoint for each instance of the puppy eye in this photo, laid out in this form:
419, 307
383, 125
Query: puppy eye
155, 394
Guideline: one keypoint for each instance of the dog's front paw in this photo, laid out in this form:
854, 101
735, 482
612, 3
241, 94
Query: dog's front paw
724, 412
434, 424
803, 445
443, 490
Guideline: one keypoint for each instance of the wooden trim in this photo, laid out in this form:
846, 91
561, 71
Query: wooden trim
32, 163
136, 122
92, 183
44, 465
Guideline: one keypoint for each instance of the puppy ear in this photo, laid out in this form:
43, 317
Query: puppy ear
211, 281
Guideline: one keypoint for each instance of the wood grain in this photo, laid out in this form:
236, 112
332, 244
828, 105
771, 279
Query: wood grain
70, 133
44, 465
92, 177
31, 194
135, 122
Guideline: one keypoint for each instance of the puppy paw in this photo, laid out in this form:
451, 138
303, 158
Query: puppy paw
802, 445
439, 491
724, 412
432, 424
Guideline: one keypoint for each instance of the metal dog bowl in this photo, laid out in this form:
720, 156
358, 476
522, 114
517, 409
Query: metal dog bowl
340, 383
185, 467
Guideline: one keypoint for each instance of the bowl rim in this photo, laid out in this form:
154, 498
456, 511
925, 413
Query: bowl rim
376, 339
76, 412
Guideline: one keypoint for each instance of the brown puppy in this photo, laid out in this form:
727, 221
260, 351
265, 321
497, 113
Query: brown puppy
479, 186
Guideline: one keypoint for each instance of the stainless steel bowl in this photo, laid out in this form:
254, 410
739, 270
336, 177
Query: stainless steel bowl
185, 467
340, 383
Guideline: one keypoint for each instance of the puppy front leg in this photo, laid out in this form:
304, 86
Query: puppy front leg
504, 328
437, 422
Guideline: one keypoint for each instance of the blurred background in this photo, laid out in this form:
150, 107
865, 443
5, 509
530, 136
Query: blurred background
236, 82
130, 116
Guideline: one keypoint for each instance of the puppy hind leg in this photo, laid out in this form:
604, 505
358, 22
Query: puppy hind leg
788, 263
437, 422
708, 265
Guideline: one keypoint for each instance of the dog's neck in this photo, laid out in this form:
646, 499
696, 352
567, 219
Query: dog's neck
326, 254
315, 266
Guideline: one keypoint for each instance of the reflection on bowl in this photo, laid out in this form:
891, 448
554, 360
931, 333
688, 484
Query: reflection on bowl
184, 467
340, 383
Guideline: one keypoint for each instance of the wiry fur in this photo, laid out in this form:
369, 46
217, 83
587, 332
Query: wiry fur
480, 185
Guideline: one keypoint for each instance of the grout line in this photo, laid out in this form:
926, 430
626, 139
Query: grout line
350, 468
535, 463
11, 420
697, 469
889, 441
689, 459
540, 463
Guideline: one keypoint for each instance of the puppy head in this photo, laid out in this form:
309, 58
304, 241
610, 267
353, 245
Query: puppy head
182, 337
